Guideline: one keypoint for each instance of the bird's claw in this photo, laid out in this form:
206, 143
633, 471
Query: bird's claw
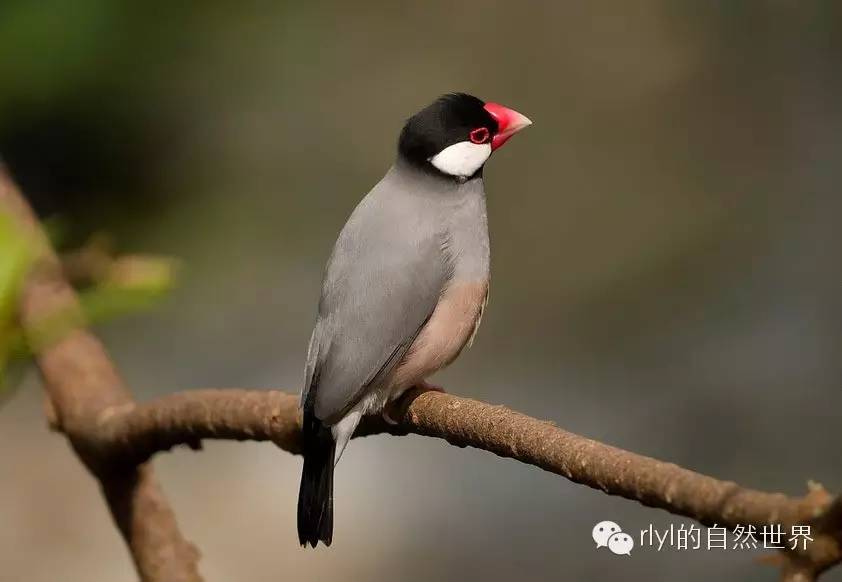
395, 409
425, 386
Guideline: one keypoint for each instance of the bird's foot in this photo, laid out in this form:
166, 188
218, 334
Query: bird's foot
391, 413
424, 386
396, 409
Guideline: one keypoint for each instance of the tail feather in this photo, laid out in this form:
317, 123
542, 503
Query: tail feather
315, 497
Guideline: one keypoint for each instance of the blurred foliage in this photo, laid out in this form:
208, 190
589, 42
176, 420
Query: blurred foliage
132, 283
108, 287
77, 123
15, 256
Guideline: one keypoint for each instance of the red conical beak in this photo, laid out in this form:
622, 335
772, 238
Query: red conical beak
509, 122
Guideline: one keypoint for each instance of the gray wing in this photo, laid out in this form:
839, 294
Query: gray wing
383, 281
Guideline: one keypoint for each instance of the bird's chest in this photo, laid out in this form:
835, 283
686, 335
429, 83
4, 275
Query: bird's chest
450, 327
459, 309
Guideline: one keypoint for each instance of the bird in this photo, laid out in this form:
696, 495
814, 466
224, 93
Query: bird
404, 289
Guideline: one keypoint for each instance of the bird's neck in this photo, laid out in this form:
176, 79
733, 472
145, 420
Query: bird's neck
436, 181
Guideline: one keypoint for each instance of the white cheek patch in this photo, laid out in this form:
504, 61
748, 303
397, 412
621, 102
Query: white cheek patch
462, 159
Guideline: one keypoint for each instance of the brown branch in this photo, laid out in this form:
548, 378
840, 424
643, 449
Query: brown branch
115, 438
185, 418
81, 383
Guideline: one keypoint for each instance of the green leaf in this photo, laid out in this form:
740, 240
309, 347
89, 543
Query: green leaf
135, 283
131, 283
15, 256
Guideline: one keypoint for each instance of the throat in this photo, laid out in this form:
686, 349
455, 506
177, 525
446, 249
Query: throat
426, 171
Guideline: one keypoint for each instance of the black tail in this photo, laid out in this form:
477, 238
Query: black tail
315, 497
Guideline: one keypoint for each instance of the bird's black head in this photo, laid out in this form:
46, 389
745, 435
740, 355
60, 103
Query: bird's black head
456, 134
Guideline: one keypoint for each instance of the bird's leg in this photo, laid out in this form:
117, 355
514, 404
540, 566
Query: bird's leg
424, 386
396, 408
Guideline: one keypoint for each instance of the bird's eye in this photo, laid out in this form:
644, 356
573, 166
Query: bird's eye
479, 135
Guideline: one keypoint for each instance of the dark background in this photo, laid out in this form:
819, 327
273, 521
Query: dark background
665, 242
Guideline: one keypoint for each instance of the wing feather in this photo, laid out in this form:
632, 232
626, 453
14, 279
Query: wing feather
384, 278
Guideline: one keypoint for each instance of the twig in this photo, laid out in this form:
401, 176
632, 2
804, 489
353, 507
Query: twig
81, 382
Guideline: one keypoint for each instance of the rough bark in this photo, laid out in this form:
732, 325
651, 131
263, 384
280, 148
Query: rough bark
269, 415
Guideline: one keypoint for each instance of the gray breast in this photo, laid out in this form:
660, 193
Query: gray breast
467, 234
459, 309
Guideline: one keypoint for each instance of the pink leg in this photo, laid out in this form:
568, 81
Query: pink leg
395, 408
424, 386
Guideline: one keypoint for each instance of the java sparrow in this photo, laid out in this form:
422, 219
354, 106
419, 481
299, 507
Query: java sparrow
404, 289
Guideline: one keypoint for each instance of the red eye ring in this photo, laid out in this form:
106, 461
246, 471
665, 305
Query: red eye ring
479, 135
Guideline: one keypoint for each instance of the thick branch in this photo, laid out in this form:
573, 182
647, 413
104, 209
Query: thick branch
115, 438
188, 417
81, 382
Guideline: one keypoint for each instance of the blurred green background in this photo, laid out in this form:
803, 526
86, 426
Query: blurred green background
665, 247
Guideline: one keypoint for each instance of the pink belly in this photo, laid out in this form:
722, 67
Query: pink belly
451, 326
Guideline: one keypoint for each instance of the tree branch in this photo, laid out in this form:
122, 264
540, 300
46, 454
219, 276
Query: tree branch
115, 438
81, 382
137, 433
